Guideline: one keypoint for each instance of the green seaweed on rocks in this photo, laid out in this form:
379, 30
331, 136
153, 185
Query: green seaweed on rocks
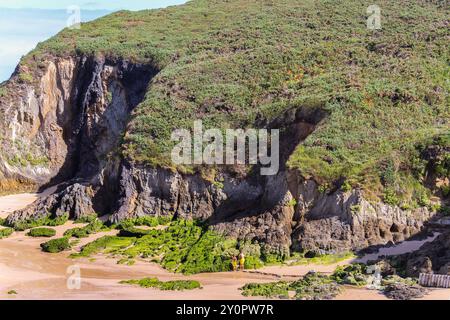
94, 227
174, 285
45, 221
354, 274
313, 286
6, 232
56, 245
278, 289
42, 232
322, 259
183, 246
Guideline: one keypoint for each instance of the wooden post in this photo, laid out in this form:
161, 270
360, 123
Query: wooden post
434, 280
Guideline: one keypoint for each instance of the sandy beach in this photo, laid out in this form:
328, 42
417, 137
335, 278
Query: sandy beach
34, 274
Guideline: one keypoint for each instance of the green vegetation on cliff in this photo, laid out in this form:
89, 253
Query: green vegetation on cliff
232, 62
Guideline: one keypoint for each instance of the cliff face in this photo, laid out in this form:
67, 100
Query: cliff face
65, 125
77, 116
432, 257
92, 111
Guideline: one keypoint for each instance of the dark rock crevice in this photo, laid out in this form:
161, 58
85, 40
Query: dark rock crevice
91, 123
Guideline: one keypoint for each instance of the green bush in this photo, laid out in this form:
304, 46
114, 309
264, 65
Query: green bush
42, 232
390, 197
423, 200
177, 285
56, 245
6, 232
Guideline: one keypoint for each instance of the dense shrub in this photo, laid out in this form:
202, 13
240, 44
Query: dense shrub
56, 245
42, 232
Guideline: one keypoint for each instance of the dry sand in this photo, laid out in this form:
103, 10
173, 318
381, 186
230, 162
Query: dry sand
34, 274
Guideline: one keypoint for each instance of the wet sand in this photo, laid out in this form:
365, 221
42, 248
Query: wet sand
34, 274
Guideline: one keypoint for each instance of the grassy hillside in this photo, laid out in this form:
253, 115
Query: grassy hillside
231, 62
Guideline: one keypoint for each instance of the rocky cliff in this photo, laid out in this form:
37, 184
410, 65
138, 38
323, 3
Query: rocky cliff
78, 104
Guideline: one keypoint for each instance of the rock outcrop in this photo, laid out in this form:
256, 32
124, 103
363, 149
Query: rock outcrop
74, 118
346, 221
432, 257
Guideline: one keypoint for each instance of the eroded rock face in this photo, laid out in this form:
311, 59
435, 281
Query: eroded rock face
432, 257
346, 221
33, 146
63, 126
75, 120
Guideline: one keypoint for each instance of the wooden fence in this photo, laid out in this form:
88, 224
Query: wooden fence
434, 280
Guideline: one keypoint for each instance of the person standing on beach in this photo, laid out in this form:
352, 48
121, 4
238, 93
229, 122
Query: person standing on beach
241, 261
234, 263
